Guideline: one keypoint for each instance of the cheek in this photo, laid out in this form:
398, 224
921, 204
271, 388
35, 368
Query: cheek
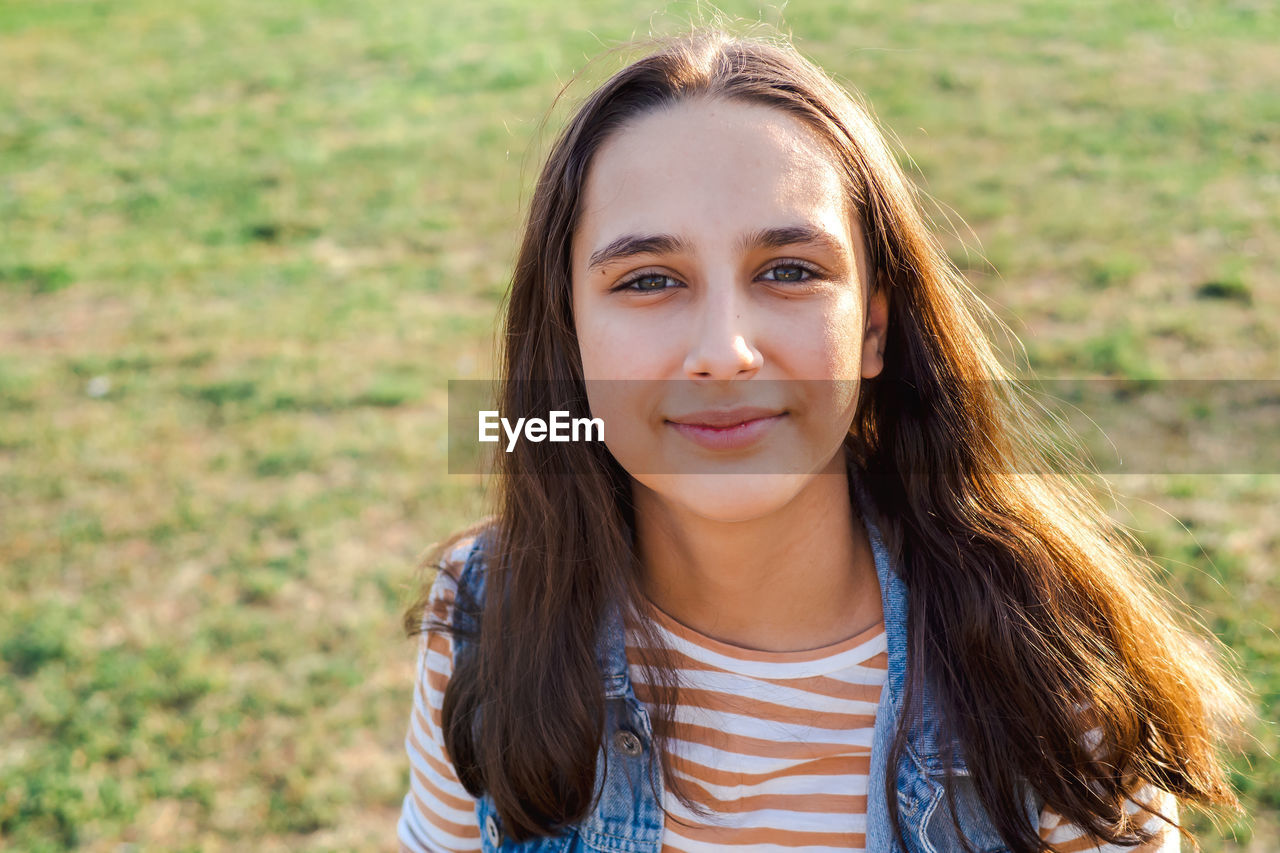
592, 342
827, 344
844, 348
615, 345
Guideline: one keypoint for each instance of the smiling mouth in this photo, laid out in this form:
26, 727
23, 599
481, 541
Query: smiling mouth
723, 427
725, 418
734, 436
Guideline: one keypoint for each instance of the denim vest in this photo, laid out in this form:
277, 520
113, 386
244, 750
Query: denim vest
627, 816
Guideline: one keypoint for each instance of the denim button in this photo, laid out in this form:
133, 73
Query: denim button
627, 742
491, 831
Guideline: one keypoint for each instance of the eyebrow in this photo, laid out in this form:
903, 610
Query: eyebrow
766, 238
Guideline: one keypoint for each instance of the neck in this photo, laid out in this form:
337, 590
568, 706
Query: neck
799, 578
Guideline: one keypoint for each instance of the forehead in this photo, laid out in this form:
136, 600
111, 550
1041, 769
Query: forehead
710, 171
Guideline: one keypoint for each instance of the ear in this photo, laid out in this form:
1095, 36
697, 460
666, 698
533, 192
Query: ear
876, 327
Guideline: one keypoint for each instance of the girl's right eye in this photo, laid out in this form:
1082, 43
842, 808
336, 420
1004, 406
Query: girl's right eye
641, 283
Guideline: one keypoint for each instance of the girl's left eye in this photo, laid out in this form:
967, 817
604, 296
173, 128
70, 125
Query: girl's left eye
794, 271
794, 265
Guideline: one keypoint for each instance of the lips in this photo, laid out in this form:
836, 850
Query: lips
737, 429
724, 418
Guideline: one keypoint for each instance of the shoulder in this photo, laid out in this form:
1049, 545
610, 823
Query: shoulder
448, 593
459, 574
1145, 804
461, 551
1147, 808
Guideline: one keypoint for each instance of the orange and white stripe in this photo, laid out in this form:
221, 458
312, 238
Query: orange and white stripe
776, 744
1069, 838
437, 815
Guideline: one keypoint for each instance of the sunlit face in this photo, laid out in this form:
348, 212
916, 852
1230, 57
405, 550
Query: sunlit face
716, 257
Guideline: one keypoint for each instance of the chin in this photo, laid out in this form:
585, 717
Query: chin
726, 498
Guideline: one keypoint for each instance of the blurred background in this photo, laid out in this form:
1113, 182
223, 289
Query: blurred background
243, 247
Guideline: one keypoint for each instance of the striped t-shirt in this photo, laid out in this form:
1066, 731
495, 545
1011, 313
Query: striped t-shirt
776, 745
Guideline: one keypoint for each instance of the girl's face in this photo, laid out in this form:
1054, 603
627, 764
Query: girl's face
715, 245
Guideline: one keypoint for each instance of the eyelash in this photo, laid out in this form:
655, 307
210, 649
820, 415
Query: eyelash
815, 274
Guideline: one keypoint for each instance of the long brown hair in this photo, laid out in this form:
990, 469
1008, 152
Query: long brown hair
1026, 603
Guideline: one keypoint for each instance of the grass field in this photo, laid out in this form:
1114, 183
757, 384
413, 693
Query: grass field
243, 246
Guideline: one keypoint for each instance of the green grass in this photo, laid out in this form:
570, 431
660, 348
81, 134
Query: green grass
244, 246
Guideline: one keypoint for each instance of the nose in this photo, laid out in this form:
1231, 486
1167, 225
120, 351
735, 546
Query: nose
722, 346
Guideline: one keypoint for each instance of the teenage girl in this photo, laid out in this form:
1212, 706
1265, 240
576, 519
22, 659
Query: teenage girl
810, 591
